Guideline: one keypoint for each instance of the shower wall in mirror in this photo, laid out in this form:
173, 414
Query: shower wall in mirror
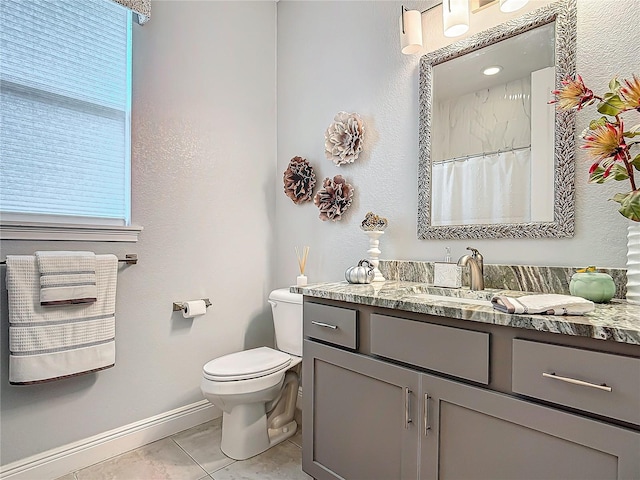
495, 159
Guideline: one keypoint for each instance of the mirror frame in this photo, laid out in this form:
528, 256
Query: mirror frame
563, 13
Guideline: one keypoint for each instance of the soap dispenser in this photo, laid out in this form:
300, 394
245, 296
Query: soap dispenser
447, 274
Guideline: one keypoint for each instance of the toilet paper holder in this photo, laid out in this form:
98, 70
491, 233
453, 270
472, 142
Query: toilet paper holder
177, 306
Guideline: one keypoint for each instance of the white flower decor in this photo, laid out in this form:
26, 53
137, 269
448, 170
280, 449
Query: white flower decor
334, 198
343, 138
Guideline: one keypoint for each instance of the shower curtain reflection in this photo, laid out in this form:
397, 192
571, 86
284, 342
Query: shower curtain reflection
483, 189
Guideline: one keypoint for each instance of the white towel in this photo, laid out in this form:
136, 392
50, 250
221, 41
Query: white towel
548, 304
46, 343
67, 278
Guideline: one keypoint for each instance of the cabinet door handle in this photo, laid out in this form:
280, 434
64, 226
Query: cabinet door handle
577, 382
325, 325
407, 416
427, 424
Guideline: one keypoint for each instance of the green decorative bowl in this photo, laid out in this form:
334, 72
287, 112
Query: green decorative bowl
597, 287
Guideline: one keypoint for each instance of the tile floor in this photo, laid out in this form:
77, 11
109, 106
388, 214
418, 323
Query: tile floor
195, 454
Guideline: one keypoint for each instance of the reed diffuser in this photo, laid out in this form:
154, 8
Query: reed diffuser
301, 280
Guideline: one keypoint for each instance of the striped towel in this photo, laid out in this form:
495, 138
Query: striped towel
548, 304
67, 278
47, 343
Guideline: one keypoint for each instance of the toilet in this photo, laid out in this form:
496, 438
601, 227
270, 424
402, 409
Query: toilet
257, 389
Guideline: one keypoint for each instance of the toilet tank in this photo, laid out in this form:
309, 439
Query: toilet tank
287, 320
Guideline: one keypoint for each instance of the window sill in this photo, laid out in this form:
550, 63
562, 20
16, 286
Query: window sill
63, 231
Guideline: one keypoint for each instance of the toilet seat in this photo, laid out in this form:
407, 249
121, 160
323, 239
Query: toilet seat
245, 365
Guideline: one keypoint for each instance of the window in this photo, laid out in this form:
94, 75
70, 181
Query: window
65, 104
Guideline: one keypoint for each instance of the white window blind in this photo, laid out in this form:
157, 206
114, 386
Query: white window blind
65, 103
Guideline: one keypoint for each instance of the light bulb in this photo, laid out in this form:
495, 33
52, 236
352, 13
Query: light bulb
508, 6
411, 38
455, 17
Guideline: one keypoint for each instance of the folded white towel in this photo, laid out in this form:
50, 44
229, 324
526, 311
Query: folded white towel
67, 278
46, 343
548, 304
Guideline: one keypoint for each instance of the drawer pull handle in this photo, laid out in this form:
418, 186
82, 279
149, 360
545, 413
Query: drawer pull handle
407, 417
325, 325
427, 425
577, 382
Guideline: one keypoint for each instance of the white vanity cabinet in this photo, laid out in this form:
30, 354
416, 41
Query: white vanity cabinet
419, 398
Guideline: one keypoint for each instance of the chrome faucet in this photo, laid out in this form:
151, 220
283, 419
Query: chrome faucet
476, 267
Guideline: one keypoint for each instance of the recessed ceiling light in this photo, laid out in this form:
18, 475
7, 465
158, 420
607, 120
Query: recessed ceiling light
492, 70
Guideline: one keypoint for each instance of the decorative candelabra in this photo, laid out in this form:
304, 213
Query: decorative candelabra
374, 252
374, 226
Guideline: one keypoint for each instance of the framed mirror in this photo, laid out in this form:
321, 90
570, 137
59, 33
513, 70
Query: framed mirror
496, 159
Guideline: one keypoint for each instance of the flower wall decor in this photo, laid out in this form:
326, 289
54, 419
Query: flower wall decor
343, 138
606, 138
334, 198
299, 180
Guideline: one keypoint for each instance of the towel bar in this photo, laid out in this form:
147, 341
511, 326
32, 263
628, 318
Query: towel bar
129, 259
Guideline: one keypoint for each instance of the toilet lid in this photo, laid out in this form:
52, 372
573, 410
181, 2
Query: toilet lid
247, 364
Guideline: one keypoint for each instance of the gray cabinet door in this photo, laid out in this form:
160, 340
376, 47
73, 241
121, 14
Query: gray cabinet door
473, 433
359, 416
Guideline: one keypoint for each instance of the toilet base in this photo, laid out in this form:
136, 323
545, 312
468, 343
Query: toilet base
247, 430
277, 435
245, 433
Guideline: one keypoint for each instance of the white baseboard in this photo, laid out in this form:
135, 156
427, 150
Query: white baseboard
74, 456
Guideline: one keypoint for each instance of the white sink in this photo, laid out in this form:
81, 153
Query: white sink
445, 298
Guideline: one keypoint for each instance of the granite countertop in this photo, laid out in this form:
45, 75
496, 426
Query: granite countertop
616, 321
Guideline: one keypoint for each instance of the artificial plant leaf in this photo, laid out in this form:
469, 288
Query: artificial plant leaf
629, 204
584, 133
619, 197
597, 176
598, 123
613, 99
611, 105
636, 162
619, 172
631, 134
614, 85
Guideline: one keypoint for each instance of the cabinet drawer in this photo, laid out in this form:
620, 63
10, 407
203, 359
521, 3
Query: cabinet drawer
601, 383
331, 324
453, 351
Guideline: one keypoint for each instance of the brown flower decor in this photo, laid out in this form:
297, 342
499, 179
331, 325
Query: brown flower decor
299, 180
334, 198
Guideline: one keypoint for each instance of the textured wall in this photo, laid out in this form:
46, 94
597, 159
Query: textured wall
209, 193
203, 189
490, 119
336, 56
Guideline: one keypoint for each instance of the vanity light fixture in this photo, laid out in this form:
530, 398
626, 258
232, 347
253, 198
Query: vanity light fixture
455, 17
508, 6
492, 70
410, 31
